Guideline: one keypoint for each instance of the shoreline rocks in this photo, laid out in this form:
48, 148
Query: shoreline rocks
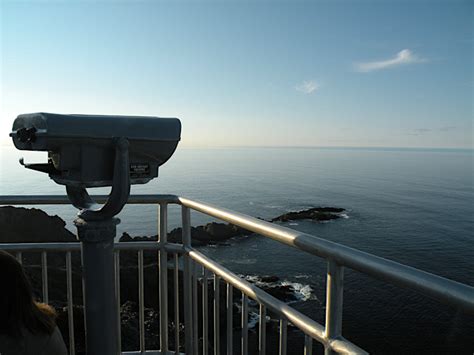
218, 233
319, 214
211, 233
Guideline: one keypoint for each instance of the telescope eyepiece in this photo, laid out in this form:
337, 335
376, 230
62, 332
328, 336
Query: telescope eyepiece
26, 135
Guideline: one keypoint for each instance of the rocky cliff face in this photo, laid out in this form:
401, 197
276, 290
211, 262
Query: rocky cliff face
31, 225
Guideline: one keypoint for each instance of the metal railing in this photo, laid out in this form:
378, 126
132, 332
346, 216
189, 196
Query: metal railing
197, 268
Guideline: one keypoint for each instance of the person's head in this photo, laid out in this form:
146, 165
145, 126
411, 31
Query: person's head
18, 309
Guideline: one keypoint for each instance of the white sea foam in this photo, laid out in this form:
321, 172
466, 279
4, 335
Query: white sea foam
251, 278
302, 292
253, 319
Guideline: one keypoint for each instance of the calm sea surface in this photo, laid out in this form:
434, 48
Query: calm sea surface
411, 206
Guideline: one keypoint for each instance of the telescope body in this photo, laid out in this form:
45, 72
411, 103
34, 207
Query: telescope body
81, 148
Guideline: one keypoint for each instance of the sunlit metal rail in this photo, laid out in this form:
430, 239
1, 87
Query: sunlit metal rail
197, 268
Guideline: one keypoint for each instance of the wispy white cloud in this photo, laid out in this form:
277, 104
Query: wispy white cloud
403, 57
307, 87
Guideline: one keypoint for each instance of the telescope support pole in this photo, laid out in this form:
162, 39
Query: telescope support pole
97, 245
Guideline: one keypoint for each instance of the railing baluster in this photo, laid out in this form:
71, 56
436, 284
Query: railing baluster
283, 336
205, 312
163, 275
117, 296
308, 345
70, 301
141, 301
245, 324
83, 302
229, 319
44, 275
176, 303
195, 310
187, 282
334, 292
262, 330
217, 345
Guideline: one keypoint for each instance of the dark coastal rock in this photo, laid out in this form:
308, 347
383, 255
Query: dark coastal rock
31, 225
269, 278
273, 286
210, 233
316, 214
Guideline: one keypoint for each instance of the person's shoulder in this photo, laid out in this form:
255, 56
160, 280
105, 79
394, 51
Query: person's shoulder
55, 344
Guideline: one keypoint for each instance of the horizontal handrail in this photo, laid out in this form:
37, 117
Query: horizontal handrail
440, 288
76, 246
437, 287
64, 200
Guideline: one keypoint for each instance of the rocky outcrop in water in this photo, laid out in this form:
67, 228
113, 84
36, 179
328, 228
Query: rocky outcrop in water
217, 233
211, 233
319, 214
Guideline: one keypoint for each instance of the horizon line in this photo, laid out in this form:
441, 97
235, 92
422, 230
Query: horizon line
324, 147
10, 144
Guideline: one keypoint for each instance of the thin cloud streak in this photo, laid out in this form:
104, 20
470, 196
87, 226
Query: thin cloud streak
403, 57
421, 131
307, 87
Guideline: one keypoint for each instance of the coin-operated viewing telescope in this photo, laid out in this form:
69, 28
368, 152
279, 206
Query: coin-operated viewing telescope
94, 151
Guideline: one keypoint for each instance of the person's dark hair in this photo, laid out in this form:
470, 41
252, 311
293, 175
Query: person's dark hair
18, 309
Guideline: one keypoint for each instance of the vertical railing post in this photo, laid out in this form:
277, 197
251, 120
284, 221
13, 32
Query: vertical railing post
308, 345
97, 242
217, 344
195, 308
230, 328
141, 301
44, 275
283, 336
334, 292
176, 303
70, 302
244, 341
187, 282
163, 265
262, 330
117, 293
205, 313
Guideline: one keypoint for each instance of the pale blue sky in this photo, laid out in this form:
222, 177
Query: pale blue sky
241, 73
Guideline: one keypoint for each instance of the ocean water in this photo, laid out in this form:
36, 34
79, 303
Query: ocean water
411, 206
